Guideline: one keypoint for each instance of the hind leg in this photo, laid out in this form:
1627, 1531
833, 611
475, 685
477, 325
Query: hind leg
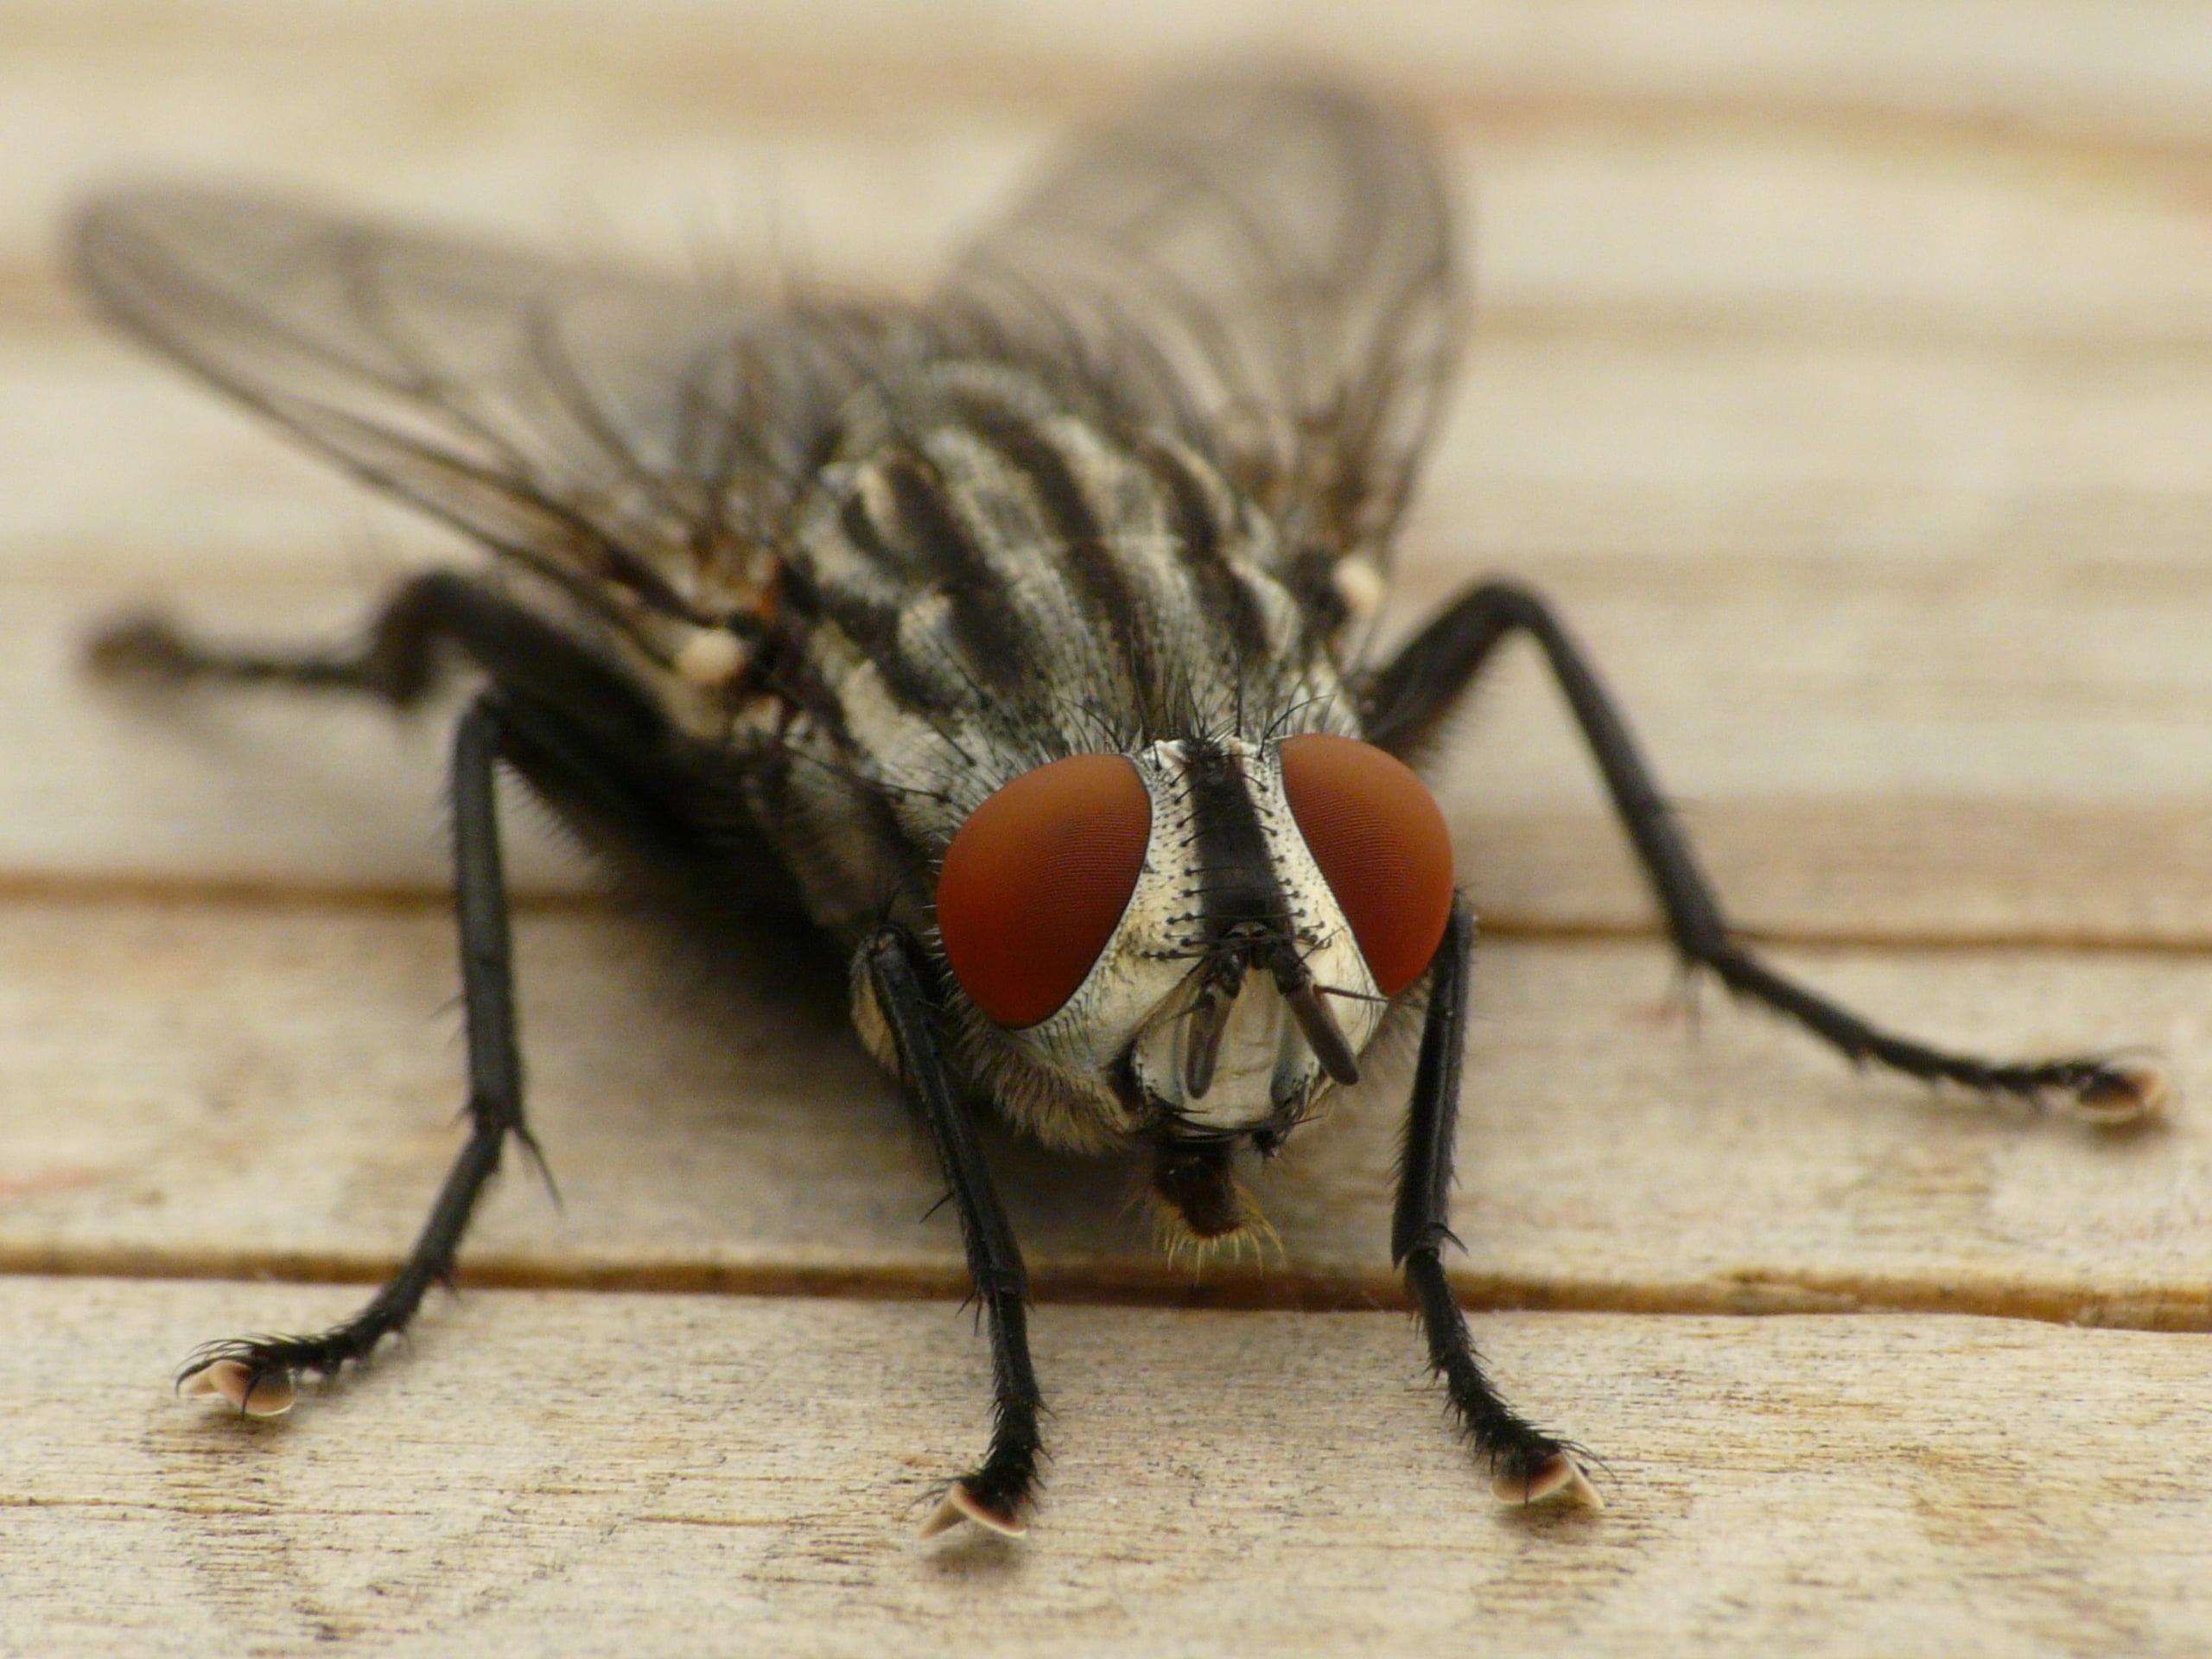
398, 661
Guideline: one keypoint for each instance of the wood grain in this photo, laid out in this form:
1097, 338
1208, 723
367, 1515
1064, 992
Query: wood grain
1716, 181
1601, 215
581, 1474
250, 1090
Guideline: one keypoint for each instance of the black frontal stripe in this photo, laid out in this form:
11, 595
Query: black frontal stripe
1101, 582
933, 535
1198, 534
1237, 881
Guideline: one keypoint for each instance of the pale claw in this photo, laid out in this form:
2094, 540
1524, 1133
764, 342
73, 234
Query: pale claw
2140, 1092
271, 1394
1559, 1477
960, 1505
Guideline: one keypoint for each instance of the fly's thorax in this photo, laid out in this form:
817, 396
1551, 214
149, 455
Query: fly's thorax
1227, 884
982, 573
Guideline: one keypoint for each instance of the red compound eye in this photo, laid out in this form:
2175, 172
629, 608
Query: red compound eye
1376, 832
1036, 881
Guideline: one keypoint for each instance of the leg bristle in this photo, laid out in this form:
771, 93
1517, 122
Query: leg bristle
1559, 1476
959, 1504
250, 1393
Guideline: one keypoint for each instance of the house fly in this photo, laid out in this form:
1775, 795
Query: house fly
1014, 636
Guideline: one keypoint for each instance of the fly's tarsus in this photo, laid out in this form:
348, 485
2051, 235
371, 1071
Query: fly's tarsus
397, 662
2117, 1091
255, 1374
246, 1370
2104, 1090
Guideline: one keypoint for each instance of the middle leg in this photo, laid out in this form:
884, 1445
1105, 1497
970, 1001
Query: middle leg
397, 662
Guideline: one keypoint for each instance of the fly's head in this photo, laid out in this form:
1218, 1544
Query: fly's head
1211, 930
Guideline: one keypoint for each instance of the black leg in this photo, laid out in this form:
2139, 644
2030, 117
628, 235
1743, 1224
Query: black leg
588, 738
1409, 700
1526, 1463
427, 621
257, 1373
996, 1493
397, 662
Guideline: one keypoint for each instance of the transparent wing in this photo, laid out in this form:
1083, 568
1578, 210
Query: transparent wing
1270, 263
603, 426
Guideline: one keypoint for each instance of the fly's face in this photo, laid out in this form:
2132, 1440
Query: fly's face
1213, 930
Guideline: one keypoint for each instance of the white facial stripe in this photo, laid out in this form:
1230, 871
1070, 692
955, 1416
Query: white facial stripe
1141, 987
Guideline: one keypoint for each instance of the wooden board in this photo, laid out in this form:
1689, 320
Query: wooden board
564, 1473
208, 1063
1907, 769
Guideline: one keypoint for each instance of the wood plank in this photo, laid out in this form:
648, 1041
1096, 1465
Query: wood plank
1981, 67
1880, 756
1667, 179
1913, 766
579, 1474
260, 1090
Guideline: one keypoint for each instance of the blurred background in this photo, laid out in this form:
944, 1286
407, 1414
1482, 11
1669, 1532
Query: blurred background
1842, 366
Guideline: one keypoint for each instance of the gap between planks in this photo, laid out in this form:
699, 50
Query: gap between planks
1764, 1294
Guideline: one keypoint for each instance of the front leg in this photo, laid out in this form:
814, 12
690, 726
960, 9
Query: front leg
996, 1493
1526, 1463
